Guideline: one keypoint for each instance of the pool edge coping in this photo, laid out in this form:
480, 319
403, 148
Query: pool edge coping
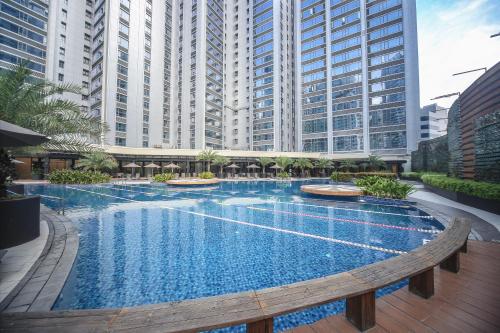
39, 289
49, 292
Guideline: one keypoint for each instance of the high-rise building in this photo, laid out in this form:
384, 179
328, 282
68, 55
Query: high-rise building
433, 122
329, 76
23, 34
272, 107
130, 73
69, 44
357, 69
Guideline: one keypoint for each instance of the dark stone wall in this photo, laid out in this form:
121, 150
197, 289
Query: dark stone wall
487, 147
456, 157
432, 155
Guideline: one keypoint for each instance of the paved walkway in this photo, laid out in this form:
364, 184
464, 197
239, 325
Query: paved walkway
491, 218
38, 288
484, 224
465, 302
18, 260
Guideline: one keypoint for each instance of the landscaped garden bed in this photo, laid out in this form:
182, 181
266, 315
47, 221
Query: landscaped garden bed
481, 195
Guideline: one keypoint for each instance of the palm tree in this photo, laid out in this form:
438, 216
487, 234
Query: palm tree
348, 165
207, 156
221, 161
264, 161
322, 164
38, 105
283, 161
302, 164
97, 161
375, 163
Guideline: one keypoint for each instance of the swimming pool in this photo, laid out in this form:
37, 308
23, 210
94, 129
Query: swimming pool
149, 243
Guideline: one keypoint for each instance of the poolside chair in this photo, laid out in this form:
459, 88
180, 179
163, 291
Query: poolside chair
137, 176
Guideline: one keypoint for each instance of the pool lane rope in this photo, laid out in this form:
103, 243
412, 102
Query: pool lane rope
290, 203
286, 231
389, 226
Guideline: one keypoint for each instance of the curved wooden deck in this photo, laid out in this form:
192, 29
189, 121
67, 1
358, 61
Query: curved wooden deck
465, 302
192, 182
258, 308
333, 190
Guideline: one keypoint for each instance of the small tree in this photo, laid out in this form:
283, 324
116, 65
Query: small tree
221, 161
97, 161
348, 165
322, 164
265, 161
283, 161
7, 171
302, 164
375, 163
207, 156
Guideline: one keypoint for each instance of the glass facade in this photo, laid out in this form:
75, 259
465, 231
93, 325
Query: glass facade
313, 60
361, 85
263, 75
23, 35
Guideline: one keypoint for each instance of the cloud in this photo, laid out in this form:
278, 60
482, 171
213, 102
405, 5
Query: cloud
453, 40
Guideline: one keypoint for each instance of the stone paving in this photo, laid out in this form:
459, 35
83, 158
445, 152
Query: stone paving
18, 261
39, 289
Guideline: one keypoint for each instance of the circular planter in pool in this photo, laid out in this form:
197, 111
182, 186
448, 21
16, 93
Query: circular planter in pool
337, 191
20, 220
192, 182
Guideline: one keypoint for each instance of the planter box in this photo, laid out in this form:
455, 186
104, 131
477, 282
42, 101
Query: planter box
20, 221
16, 188
489, 205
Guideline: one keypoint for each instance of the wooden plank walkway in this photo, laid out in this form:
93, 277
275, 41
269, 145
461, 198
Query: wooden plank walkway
465, 302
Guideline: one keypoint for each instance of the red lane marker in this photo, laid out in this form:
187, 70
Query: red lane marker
344, 220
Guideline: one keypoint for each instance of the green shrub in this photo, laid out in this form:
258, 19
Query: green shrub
411, 175
68, 176
384, 187
348, 176
479, 189
341, 176
283, 175
163, 177
206, 175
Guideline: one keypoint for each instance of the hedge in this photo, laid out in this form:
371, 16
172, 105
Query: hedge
384, 187
206, 175
163, 177
418, 175
67, 176
479, 189
348, 176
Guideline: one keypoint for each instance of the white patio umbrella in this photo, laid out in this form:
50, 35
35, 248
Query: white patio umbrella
276, 167
152, 166
132, 166
233, 166
253, 166
172, 166
14, 161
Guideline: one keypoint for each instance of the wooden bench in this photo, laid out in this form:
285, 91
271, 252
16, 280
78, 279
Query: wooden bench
257, 308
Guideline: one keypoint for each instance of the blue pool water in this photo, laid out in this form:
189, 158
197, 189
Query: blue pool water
143, 244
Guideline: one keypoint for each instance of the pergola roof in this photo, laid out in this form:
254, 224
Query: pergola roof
248, 154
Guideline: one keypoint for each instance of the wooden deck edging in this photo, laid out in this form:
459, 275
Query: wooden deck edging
257, 308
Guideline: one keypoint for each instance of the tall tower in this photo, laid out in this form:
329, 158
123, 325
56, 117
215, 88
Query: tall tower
128, 70
23, 34
70, 47
357, 79
199, 70
272, 108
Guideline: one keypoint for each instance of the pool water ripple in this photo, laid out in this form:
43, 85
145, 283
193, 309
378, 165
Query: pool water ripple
144, 244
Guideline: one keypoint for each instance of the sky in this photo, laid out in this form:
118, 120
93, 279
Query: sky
454, 36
